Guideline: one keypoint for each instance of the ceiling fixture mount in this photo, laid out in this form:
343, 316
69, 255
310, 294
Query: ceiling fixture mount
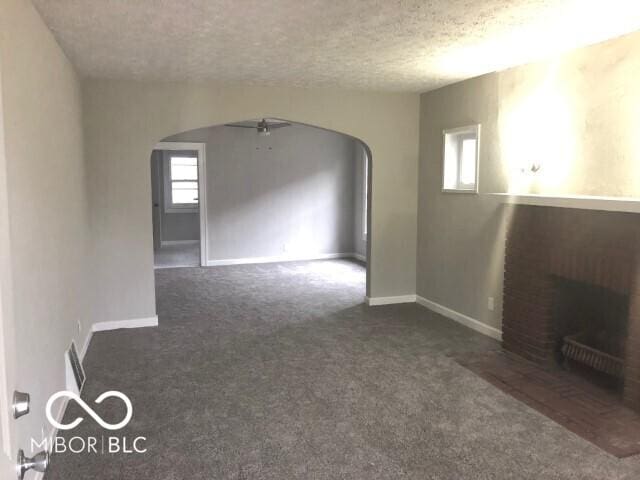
262, 127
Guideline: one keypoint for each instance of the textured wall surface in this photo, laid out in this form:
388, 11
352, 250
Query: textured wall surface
47, 209
124, 120
412, 45
576, 116
291, 193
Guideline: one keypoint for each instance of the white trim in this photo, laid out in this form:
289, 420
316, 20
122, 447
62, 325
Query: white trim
358, 256
166, 267
202, 187
278, 258
470, 129
202, 202
167, 185
70, 379
133, 323
85, 347
375, 301
585, 202
5, 432
7, 359
166, 243
469, 322
365, 193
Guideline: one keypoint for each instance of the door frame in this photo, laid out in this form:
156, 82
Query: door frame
156, 184
202, 187
6, 312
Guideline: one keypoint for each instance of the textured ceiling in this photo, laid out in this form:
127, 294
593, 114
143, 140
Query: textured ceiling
372, 44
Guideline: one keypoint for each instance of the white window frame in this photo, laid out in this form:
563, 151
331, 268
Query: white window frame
169, 206
462, 133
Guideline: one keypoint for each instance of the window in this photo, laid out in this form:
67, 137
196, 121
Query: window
181, 187
461, 152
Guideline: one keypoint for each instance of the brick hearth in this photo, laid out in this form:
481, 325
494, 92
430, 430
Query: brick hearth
590, 246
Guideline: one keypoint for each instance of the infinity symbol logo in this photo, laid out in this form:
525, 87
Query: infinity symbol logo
89, 410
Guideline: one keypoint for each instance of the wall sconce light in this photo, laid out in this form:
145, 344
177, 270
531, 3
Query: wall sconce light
533, 168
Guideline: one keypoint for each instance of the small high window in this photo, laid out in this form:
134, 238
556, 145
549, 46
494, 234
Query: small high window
461, 153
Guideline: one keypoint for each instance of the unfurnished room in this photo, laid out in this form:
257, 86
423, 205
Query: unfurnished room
319, 240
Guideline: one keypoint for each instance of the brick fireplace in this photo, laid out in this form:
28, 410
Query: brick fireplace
594, 254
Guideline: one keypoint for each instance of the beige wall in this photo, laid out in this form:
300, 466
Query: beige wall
124, 120
576, 115
47, 209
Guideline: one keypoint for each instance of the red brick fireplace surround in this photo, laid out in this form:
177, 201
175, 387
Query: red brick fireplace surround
592, 247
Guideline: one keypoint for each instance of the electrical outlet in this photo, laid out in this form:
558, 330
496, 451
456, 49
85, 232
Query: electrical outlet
491, 304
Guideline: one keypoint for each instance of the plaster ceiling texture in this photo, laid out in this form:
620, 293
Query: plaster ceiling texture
388, 45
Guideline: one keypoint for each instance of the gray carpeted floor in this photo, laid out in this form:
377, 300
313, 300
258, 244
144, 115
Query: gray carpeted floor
280, 372
180, 255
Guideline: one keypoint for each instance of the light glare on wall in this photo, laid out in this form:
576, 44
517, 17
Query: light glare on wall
567, 25
468, 161
538, 138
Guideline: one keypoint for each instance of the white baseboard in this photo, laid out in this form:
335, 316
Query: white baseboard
133, 323
358, 256
85, 347
278, 258
166, 243
461, 318
375, 301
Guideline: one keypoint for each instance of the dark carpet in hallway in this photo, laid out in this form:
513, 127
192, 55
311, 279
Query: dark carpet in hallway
281, 372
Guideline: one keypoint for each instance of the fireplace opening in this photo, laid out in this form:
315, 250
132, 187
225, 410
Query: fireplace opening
590, 324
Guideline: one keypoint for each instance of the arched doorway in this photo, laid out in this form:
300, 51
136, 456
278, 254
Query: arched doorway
273, 191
